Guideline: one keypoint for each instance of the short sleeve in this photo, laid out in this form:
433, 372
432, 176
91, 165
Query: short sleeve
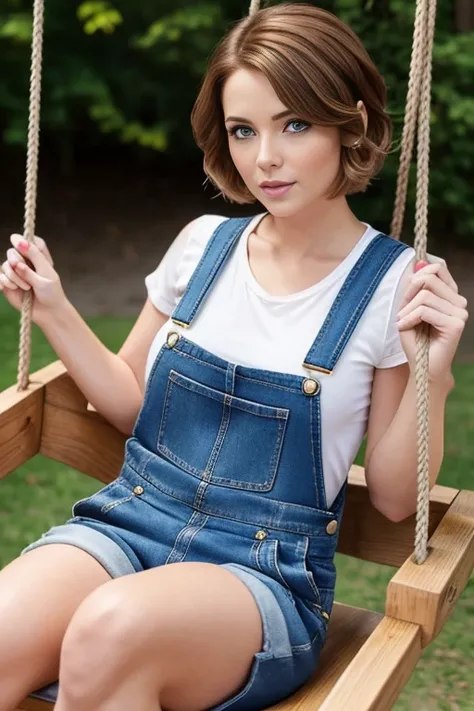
392, 352
166, 284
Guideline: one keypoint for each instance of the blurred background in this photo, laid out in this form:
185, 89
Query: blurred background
120, 175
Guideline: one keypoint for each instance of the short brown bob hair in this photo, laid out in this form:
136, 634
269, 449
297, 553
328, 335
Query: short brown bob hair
319, 69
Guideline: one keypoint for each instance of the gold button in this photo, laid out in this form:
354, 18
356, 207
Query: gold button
138, 490
331, 527
260, 535
172, 339
311, 387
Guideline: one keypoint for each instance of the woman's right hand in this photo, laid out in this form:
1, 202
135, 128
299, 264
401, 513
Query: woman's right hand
16, 277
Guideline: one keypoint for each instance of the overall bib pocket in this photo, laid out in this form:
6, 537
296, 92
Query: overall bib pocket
219, 437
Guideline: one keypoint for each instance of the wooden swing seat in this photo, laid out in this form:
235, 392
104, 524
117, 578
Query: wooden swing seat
52, 418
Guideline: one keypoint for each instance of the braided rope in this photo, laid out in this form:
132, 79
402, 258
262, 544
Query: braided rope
418, 114
421, 241
410, 120
254, 7
24, 356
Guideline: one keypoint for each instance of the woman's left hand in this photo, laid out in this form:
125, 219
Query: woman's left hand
433, 297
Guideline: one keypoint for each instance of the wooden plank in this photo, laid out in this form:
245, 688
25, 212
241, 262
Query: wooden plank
367, 534
426, 594
378, 673
83, 441
349, 629
20, 425
77, 436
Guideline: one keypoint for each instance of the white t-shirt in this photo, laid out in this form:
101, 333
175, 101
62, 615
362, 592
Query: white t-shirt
240, 322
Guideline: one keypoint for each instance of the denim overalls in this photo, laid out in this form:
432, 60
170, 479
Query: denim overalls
225, 466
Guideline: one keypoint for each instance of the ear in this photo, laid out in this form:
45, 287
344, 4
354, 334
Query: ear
348, 138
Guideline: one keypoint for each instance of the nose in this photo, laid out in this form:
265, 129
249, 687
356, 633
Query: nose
268, 154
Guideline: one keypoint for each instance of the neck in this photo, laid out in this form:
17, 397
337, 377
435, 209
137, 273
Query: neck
326, 230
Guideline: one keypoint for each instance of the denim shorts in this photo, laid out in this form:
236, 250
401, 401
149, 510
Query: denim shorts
277, 670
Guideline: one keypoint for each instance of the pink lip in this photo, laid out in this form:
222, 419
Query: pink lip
277, 191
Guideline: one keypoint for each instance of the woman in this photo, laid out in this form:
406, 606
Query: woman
267, 348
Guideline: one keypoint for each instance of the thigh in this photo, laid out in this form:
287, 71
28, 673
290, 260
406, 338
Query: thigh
195, 628
39, 593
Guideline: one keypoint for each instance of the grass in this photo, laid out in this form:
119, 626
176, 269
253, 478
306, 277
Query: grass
40, 494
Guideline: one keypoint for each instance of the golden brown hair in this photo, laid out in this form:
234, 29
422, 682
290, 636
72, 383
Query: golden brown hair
319, 69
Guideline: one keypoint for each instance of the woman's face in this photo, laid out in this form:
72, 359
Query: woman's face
268, 146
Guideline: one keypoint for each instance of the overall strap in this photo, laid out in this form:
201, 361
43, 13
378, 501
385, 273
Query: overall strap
351, 302
217, 251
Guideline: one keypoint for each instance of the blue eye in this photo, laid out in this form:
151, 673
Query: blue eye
305, 125
233, 131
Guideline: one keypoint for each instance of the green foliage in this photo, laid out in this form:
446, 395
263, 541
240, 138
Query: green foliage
99, 16
130, 71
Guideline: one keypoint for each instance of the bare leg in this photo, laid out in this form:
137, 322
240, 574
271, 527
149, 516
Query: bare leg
179, 637
39, 593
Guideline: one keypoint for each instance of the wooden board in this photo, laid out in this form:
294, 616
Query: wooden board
21, 416
369, 535
426, 594
378, 673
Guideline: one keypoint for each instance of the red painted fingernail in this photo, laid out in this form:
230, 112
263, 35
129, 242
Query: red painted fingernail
24, 245
420, 265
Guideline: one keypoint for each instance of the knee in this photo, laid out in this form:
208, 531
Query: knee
96, 647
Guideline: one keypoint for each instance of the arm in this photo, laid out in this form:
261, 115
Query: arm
431, 297
112, 383
391, 454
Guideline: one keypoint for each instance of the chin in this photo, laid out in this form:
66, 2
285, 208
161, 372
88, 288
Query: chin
281, 207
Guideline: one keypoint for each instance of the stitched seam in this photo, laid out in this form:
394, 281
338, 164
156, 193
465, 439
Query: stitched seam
313, 445
198, 360
238, 402
174, 553
112, 505
295, 389
216, 266
193, 536
180, 462
164, 416
353, 274
354, 319
342, 292
277, 567
93, 496
322, 504
309, 574
223, 427
195, 274
218, 513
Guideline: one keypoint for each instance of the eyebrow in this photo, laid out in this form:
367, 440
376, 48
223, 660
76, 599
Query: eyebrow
274, 118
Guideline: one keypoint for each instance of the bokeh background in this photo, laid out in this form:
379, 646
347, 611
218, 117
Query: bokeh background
120, 175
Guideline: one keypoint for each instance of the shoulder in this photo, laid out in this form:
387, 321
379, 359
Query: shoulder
200, 230
195, 238
401, 266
